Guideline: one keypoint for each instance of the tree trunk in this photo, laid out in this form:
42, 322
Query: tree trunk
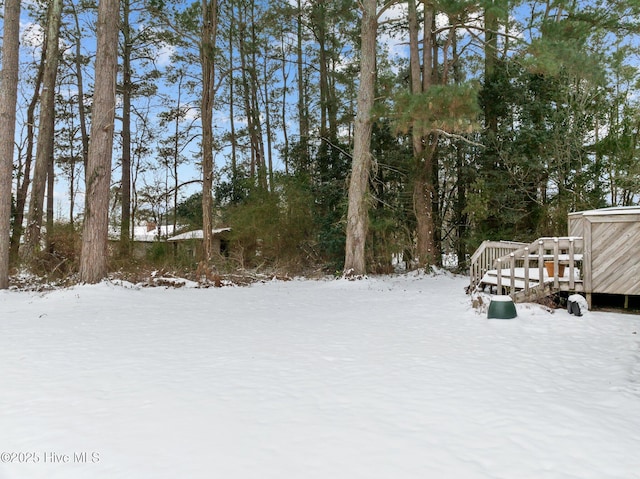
490, 60
461, 217
23, 190
357, 214
303, 120
207, 51
320, 34
176, 152
50, 206
254, 165
93, 257
125, 185
72, 193
232, 125
44, 149
8, 101
267, 123
423, 191
425, 207
255, 107
80, 86
283, 111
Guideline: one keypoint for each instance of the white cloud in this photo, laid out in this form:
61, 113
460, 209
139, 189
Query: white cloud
395, 44
32, 35
164, 54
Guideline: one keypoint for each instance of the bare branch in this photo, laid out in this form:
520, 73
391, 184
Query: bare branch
457, 137
336, 147
385, 7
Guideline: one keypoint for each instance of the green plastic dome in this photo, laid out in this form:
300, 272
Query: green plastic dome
501, 307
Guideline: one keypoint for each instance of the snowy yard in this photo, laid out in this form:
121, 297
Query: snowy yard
383, 378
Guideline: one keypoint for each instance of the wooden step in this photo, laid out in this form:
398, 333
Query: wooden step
536, 290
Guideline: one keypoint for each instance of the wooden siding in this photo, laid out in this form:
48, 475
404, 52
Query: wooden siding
615, 255
576, 224
611, 263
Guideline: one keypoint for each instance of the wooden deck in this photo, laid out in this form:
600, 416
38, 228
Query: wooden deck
536, 290
522, 272
601, 253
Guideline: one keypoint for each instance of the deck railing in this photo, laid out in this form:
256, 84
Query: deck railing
485, 256
560, 251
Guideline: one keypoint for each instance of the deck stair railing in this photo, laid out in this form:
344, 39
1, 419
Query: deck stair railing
485, 256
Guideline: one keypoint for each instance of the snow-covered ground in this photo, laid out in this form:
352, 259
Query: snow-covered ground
394, 377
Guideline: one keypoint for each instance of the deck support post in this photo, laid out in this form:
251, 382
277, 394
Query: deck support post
541, 261
512, 258
526, 271
572, 275
556, 251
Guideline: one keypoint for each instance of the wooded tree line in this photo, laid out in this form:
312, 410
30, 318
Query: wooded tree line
325, 132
